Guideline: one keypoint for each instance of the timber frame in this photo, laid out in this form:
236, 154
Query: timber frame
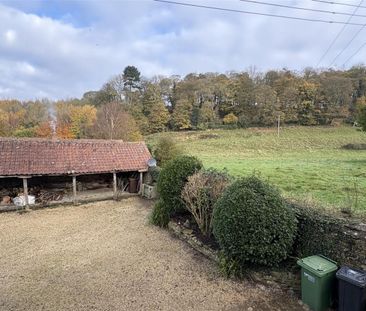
25, 184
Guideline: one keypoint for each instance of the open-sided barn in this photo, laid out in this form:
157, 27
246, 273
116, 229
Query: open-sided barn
45, 162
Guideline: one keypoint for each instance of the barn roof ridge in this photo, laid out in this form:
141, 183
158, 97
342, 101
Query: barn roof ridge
60, 140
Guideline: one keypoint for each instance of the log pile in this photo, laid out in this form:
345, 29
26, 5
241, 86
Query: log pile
44, 196
55, 191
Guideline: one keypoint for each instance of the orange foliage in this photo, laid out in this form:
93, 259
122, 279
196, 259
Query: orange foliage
44, 130
63, 131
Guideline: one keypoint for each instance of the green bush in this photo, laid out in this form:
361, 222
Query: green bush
24, 132
160, 215
253, 224
200, 194
230, 119
154, 173
165, 150
172, 179
361, 117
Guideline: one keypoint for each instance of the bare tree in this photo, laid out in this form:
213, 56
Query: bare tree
113, 122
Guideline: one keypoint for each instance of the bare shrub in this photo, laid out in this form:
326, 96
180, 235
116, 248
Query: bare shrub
201, 193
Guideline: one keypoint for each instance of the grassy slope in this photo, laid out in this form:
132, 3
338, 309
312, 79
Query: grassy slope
304, 162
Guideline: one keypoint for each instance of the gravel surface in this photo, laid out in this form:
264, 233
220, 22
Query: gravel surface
105, 256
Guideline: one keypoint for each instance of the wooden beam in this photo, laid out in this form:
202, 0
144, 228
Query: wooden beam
74, 190
25, 190
114, 185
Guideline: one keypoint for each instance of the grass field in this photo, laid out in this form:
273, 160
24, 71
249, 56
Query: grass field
306, 163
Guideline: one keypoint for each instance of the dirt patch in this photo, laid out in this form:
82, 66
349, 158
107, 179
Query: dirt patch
354, 147
105, 256
208, 136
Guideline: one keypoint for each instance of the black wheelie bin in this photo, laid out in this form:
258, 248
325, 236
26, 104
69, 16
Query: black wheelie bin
351, 289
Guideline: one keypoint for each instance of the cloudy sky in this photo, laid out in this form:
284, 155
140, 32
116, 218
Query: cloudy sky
61, 49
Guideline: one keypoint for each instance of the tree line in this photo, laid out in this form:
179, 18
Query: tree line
129, 105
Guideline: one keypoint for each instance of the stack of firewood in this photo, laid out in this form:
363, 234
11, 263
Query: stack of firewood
4, 192
44, 196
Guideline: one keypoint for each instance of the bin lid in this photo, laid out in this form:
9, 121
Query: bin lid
354, 276
319, 265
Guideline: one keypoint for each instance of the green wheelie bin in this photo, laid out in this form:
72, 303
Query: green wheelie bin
318, 281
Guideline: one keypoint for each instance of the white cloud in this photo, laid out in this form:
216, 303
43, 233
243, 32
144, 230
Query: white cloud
26, 69
10, 36
56, 57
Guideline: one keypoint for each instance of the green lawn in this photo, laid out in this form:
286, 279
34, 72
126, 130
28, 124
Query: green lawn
306, 163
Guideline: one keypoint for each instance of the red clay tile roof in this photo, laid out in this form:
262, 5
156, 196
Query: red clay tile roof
26, 157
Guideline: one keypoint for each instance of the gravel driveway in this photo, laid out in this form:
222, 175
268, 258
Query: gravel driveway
105, 256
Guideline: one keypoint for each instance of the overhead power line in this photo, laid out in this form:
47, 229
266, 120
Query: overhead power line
339, 33
302, 8
354, 54
339, 3
256, 13
347, 45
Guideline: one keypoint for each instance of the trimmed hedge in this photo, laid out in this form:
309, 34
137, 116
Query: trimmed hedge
253, 224
159, 216
172, 179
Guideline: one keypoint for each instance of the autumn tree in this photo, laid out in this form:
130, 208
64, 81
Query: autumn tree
12, 116
307, 108
361, 112
206, 116
113, 122
154, 109
181, 117
106, 95
44, 130
82, 119
36, 113
266, 105
74, 121
242, 97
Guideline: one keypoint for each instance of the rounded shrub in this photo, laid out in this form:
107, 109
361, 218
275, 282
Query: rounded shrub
252, 223
172, 179
165, 150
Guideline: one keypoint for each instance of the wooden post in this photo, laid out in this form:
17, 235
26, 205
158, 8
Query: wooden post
25, 190
114, 185
141, 181
74, 190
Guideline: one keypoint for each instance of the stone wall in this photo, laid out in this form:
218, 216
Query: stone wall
341, 239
